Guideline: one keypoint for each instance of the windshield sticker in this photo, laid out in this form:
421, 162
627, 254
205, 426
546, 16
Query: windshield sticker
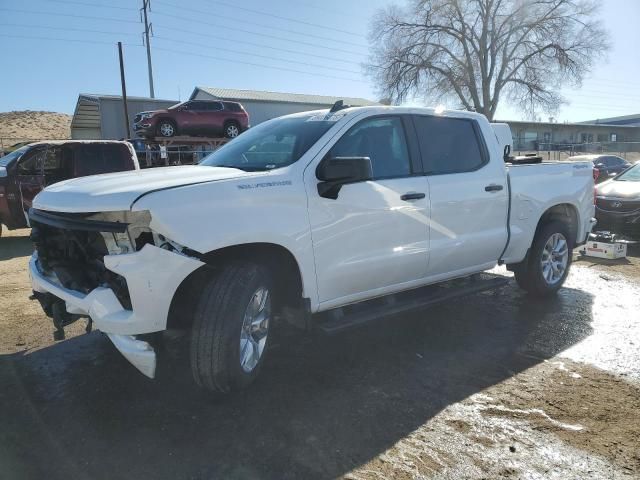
326, 117
265, 184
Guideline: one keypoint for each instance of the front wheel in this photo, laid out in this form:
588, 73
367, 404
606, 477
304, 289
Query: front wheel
166, 128
231, 327
547, 267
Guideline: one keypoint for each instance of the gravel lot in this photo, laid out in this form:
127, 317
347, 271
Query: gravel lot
494, 386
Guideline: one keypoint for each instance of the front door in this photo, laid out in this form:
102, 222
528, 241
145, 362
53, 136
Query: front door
372, 239
469, 197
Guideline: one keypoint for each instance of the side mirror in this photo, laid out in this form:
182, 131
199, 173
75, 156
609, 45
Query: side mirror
333, 172
506, 154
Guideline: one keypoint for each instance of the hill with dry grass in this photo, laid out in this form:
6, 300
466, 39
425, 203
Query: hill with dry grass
31, 125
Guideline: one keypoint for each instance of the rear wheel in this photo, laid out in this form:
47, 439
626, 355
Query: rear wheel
231, 129
549, 260
230, 333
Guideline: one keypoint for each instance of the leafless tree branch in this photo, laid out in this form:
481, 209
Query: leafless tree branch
476, 52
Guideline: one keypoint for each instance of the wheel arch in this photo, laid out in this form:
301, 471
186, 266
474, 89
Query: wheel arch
566, 213
280, 261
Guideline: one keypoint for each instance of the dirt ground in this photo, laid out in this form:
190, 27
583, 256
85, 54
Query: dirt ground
496, 385
29, 125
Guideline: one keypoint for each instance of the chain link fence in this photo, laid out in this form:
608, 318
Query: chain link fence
630, 151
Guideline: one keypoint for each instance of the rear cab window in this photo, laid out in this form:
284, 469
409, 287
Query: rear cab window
96, 158
449, 145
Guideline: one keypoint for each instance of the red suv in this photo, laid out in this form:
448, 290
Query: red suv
195, 117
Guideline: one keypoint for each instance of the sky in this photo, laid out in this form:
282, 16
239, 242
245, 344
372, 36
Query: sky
52, 50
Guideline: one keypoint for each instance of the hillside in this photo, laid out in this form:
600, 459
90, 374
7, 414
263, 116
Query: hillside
27, 125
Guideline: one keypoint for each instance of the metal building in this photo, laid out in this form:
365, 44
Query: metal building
262, 105
101, 117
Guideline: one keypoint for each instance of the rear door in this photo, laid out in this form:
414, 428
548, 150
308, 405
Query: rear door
214, 118
468, 194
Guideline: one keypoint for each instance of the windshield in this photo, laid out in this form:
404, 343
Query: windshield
7, 159
631, 175
172, 107
270, 145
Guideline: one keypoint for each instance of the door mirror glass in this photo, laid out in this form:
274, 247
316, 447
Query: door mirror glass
333, 172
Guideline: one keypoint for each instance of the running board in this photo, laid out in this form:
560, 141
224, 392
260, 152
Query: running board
356, 315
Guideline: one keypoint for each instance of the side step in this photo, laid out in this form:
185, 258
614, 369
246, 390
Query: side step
352, 316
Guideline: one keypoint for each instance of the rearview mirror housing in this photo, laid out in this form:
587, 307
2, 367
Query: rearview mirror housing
333, 172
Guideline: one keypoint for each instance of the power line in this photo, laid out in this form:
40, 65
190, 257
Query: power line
234, 61
253, 44
70, 15
265, 35
74, 2
261, 25
272, 15
267, 57
66, 29
76, 40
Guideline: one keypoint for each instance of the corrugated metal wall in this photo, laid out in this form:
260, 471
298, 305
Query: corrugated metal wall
262, 111
112, 116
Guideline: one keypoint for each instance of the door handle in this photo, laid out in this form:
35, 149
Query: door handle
412, 196
493, 188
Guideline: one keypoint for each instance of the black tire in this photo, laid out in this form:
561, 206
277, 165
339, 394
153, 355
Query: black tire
529, 274
218, 324
167, 128
231, 129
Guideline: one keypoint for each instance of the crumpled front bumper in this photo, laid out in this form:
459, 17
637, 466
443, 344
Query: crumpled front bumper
152, 274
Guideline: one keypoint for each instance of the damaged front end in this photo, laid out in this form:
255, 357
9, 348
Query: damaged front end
110, 268
71, 248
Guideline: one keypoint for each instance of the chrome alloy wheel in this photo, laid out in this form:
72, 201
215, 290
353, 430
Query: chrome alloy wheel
166, 129
555, 258
233, 131
255, 328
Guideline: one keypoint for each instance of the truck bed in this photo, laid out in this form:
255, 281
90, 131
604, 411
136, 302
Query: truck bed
534, 187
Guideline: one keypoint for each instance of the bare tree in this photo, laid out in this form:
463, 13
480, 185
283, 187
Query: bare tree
479, 51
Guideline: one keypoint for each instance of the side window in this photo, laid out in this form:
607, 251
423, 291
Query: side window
380, 139
448, 145
214, 106
31, 162
53, 160
198, 106
232, 107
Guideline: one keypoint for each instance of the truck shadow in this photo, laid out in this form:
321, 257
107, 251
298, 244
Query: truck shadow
15, 246
321, 407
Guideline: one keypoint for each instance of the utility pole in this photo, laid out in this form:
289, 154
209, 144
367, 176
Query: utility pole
124, 91
145, 6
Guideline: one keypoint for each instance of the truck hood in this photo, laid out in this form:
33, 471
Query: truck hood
118, 191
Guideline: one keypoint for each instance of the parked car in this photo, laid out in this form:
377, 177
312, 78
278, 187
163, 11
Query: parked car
605, 166
308, 219
27, 170
195, 117
618, 203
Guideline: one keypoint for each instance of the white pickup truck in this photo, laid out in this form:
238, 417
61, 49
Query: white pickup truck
314, 219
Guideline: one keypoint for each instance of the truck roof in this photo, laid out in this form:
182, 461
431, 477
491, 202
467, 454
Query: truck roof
384, 109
